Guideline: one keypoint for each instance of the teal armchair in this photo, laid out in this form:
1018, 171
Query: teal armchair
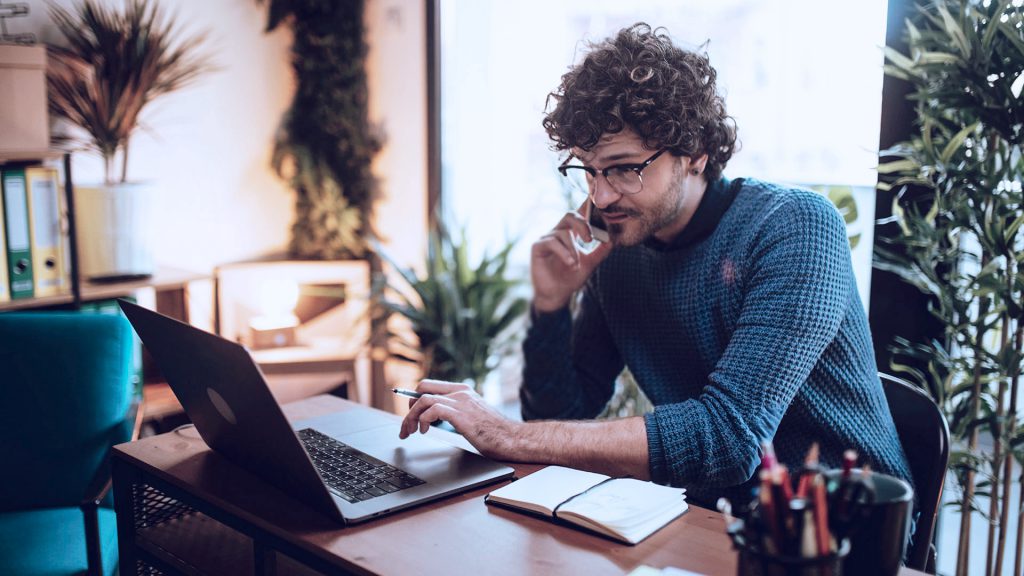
65, 399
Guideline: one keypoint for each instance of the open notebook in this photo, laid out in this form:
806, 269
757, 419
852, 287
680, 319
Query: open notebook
625, 509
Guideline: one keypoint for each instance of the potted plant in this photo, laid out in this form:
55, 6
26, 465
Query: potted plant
958, 208
463, 316
114, 64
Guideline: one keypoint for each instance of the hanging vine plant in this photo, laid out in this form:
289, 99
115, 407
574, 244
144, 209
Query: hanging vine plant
325, 143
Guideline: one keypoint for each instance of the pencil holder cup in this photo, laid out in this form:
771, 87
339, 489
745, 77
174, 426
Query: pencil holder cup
879, 540
753, 561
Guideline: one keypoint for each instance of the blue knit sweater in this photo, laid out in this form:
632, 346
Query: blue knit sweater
754, 332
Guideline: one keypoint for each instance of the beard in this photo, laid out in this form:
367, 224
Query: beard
644, 224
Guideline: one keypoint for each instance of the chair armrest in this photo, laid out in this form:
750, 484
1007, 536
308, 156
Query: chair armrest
101, 481
136, 412
98, 487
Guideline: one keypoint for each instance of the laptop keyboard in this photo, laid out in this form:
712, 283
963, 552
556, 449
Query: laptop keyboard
350, 473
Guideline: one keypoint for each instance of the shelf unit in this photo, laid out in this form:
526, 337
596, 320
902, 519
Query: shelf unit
22, 157
170, 287
81, 289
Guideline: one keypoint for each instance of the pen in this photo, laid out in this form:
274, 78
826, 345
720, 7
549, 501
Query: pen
407, 392
820, 499
768, 513
808, 472
803, 541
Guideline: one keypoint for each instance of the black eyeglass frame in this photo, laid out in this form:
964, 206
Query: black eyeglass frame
638, 168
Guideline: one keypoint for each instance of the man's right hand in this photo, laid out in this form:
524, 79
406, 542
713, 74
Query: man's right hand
558, 268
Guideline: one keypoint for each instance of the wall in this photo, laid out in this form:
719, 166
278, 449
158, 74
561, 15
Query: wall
208, 146
396, 69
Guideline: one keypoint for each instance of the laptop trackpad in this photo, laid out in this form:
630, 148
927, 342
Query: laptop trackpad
429, 459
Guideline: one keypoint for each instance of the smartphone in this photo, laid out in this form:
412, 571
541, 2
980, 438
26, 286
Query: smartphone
598, 228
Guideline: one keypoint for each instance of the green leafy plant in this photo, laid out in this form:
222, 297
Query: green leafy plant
115, 64
325, 144
958, 208
463, 315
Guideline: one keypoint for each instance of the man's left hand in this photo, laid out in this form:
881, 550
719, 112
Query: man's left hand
459, 405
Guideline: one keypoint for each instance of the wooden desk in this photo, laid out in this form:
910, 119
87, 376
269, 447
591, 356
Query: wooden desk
183, 509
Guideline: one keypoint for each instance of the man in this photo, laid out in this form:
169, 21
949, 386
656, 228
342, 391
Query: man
732, 302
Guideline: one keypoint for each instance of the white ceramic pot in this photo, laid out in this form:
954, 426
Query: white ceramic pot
115, 230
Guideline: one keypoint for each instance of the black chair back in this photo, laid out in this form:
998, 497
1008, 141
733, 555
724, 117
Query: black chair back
924, 435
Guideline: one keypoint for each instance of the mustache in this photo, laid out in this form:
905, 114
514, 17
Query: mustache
617, 210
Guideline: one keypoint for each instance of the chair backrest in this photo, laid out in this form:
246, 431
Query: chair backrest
65, 387
924, 435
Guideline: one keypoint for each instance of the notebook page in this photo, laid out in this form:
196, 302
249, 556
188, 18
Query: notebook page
631, 508
545, 489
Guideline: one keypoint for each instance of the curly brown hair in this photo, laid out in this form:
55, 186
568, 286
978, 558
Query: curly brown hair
639, 79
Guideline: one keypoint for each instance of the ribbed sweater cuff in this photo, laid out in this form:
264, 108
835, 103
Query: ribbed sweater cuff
655, 451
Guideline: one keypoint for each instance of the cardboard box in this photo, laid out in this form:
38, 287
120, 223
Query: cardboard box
24, 118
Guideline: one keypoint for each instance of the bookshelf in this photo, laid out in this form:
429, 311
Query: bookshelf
168, 287
38, 302
166, 291
164, 281
30, 155
63, 160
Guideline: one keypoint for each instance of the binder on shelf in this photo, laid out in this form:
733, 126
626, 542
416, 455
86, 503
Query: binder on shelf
5, 293
49, 272
16, 221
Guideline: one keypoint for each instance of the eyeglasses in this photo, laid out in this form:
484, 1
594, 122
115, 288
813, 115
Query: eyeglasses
624, 178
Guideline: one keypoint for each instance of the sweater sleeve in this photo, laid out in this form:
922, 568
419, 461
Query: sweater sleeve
795, 284
570, 364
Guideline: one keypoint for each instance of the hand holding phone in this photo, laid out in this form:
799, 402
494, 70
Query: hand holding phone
598, 228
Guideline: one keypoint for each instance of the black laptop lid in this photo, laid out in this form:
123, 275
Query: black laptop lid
225, 395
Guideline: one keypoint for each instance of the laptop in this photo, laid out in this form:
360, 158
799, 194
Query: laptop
350, 465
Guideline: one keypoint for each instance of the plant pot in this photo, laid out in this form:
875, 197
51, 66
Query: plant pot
115, 228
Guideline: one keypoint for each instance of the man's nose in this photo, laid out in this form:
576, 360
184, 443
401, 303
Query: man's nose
604, 194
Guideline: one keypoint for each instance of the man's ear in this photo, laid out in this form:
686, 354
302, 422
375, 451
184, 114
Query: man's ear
699, 163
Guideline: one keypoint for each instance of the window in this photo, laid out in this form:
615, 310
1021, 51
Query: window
802, 78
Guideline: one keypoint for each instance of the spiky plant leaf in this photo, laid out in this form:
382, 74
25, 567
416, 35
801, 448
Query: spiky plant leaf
464, 315
114, 65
